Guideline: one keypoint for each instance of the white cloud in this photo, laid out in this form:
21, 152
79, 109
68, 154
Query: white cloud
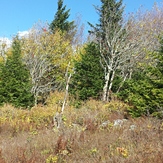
5, 41
8, 42
23, 33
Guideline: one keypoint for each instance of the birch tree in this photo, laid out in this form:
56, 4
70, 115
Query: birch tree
144, 28
125, 43
47, 56
111, 35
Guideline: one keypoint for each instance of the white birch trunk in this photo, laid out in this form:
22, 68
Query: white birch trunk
66, 94
105, 88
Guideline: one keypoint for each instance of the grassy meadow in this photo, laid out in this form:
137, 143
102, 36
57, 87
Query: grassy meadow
29, 136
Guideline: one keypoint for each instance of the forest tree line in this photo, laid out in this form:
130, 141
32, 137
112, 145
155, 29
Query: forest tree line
122, 58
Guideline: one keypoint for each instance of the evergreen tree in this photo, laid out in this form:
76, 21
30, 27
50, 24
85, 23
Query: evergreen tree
160, 64
15, 83
88, 78
111, 11
145, 90
60, 19
112, 39
110, 20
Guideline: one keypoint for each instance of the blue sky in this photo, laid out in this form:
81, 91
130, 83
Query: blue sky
21, 15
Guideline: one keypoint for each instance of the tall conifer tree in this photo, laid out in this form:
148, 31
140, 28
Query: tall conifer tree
60, 19
15, 83
87, 82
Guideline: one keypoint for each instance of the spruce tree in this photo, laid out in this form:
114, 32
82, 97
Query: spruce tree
15, 82
60, 19
87, 82
110, 19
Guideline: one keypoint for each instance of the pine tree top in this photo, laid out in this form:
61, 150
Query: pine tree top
110, 13
61, 19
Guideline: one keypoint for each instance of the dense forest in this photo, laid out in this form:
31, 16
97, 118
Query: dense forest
121, 58
117, 72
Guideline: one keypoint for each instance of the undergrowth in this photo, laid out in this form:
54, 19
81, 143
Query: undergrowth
28, 136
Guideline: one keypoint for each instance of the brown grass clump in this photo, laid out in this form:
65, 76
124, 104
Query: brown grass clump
29, 136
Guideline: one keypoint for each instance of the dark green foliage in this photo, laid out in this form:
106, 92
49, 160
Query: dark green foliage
136, 92
111, 11
15, 80
145, 90
117, 82
88, 78
60, 19
110, 14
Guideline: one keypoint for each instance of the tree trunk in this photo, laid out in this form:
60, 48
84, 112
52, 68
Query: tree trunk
110, 86
66, 93
105, 88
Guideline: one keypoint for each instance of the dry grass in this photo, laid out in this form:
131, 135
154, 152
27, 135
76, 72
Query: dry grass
29, 136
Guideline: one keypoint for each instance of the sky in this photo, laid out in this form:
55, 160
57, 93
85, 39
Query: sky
20, 15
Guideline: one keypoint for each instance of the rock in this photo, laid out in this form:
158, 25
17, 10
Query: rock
132, 127
119, 122
105, 124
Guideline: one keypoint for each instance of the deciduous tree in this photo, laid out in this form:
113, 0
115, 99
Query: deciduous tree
47, 56
111, 36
